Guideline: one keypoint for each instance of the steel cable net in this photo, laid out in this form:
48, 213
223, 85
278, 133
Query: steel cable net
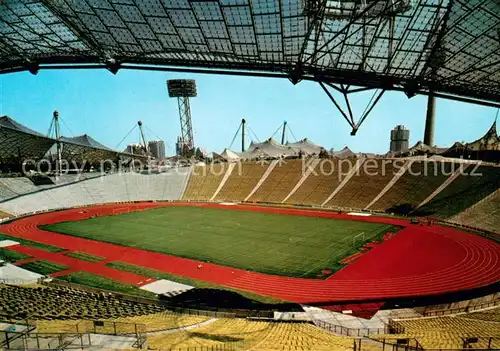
448, 46
346, 9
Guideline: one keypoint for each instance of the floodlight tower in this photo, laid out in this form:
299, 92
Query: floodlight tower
143, 138
183, 89
55, 130
243, 122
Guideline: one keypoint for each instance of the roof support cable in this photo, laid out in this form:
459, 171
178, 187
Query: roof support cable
291, 132
277, 130
67, 127
125, 137
253, 133
235, 135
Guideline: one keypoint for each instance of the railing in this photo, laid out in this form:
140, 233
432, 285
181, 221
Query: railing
18, 281
445, 312
339, 329
110, 327
412, 344
216, 313
9, 338
46, 341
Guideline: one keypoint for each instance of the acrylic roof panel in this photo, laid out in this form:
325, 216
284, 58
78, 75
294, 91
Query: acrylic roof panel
450, 46
86, 141
18, 141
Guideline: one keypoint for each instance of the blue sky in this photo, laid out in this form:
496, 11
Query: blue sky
107, 106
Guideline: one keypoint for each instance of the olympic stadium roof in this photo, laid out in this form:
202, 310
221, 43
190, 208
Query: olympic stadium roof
450, 47
18, 142
489, 141
84, 147
86, 140
267, 149
306, 147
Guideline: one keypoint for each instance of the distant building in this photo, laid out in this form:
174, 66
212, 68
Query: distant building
157, 149
133, 149
136, 149
400, 138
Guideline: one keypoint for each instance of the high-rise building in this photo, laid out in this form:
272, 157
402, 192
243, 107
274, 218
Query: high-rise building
400, 137
157, 149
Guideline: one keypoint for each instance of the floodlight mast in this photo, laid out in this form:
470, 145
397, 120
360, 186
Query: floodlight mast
54, 126
243, 122
144, 142
183, 89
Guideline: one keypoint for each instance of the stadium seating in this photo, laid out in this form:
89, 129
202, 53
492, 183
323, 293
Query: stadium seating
71, 178
153, 322
252, 335
325, 178
42, 302
432, 176
116, 187
371, 178
457, 195
241, 182
463, 192
6, 192
280, 182
406, 183
491, 315
19, 185
204, 180
447, 332
485, 214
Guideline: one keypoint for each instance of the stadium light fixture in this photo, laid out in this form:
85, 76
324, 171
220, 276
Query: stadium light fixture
33, 68
411, 89
113, 67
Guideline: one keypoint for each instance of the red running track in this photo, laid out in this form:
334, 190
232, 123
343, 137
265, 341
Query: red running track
420, 260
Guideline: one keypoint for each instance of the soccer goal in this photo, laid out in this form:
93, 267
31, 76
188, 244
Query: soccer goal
358, 239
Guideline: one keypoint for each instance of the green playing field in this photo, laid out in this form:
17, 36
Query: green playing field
294, 246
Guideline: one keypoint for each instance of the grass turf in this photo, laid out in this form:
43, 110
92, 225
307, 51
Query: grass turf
95, 281
11, 256
295, 246
84, 256
152, 273
43, 267
30, 243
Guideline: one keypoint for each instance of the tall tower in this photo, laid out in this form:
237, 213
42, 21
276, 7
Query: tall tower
183, 89
55, 132
400, 137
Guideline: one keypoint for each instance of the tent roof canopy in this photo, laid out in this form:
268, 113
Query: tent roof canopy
306, 147
7, 122
85, 140
489, 141
17, 140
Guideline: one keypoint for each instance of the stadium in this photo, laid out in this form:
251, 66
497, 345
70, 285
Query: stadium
282, 246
